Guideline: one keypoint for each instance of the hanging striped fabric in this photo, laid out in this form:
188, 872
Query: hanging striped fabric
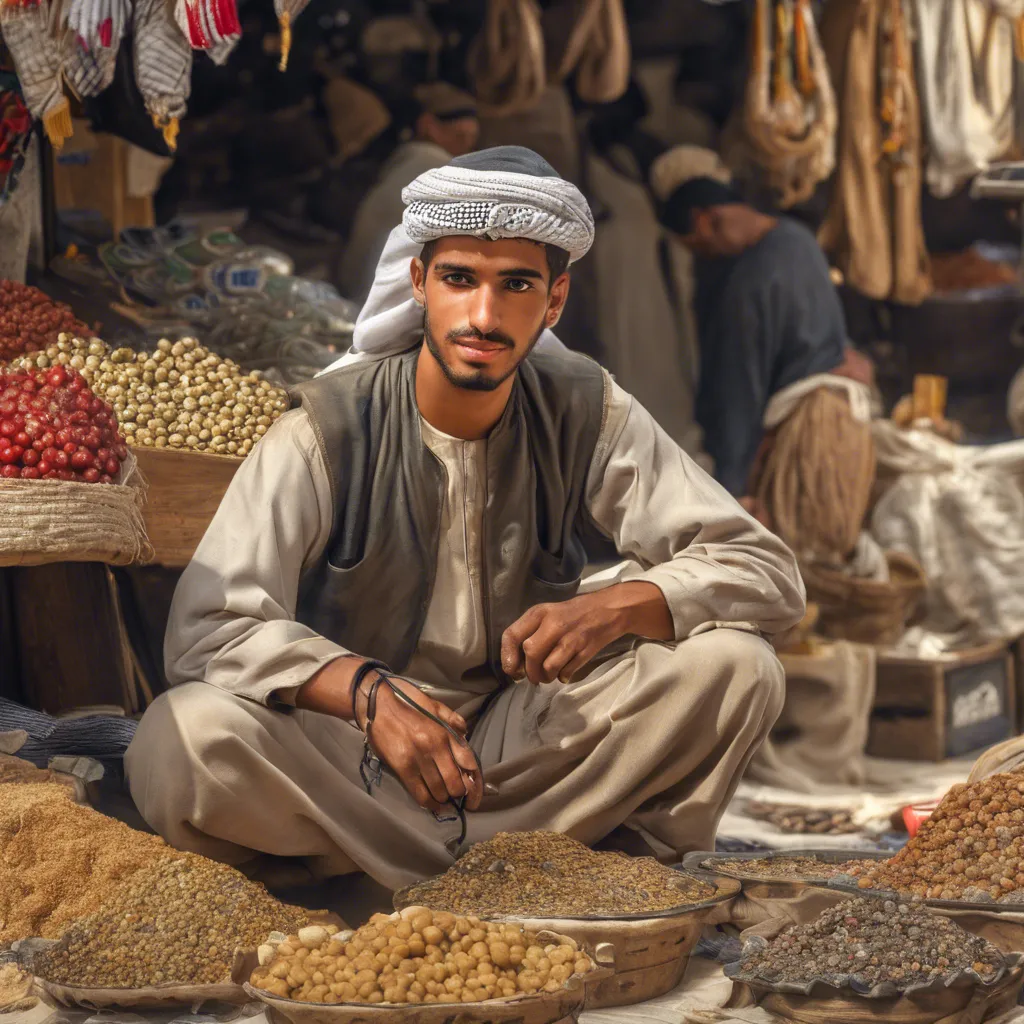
163, 65
37, 60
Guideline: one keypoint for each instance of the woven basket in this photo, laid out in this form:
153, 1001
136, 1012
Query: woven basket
43, 521
866, 611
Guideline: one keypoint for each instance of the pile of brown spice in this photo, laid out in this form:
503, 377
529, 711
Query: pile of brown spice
971, 848
181, 920
546, 874
58, 859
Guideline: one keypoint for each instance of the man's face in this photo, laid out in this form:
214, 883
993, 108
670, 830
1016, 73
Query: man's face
717, 231
485, 305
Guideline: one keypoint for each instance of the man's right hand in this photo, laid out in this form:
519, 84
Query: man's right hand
433, 766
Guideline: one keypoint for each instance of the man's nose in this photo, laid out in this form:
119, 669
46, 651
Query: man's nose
484, 315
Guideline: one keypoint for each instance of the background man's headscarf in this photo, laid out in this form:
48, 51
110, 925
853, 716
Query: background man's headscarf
505, 192
688, 178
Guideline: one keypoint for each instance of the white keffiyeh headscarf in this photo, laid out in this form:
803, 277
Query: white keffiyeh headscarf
506, 192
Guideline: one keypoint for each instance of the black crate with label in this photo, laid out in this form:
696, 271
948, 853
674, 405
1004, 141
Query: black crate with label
933, 709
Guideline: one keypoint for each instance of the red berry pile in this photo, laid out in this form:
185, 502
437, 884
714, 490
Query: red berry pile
30, 320
52, 427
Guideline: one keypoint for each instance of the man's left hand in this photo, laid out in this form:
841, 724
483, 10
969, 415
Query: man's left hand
554, 641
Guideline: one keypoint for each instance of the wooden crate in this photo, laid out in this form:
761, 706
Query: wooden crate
67, 637
184, 492
94, 171
929, 710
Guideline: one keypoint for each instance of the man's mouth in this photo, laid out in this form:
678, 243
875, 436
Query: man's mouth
477, 351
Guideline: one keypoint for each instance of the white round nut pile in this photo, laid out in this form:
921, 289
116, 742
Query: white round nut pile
416, 956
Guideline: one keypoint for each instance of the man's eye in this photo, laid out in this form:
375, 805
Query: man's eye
456, 278
517, 284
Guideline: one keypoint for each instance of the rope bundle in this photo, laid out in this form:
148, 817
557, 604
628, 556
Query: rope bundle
816, 485
791, 127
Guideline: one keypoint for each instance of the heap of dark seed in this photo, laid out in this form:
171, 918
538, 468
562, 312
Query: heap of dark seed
870, 942
546, 874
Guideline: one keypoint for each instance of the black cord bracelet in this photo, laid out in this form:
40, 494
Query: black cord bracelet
361, 673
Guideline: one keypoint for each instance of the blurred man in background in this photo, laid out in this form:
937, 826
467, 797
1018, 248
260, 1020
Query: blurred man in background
447, 126
768, 315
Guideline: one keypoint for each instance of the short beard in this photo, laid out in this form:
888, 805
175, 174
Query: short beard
478, 379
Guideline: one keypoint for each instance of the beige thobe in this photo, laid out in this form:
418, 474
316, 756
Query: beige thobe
653, 735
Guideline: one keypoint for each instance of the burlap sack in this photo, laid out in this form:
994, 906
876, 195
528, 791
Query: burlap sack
775, 901
17, 769
821, 734
151, 998
43, 521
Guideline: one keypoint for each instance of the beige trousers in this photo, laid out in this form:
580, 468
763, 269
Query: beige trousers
656, 738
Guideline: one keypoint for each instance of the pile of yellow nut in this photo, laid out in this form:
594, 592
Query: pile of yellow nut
416, 956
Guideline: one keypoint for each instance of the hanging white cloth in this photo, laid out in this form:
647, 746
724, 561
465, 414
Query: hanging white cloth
966, 77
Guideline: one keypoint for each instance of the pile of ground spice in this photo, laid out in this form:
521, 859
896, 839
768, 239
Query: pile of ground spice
179, 920
865, 942
546, 874
971, 848
798, 869
59, 859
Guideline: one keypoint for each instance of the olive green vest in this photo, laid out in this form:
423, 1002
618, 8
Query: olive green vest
371, 588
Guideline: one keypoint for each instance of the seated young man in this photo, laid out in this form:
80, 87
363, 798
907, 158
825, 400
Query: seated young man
426, 507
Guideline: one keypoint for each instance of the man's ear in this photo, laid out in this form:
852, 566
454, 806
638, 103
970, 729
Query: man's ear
557, 297
418, 274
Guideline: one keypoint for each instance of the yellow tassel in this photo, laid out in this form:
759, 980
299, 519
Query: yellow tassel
170, 126
802, 50
285, 21
782, 78
57, 123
